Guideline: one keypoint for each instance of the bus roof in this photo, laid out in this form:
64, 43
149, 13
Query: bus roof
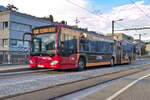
69, 27
76, 29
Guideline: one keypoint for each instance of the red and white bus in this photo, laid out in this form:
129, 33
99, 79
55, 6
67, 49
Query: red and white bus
64, 47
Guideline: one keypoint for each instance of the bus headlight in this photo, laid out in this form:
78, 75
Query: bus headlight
54, 62
30, 61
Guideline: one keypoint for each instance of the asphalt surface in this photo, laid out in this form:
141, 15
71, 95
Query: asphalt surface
133, 87
61, 90
139, 91
21, 84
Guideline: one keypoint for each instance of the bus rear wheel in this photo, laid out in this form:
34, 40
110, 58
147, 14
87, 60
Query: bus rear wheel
81, 64
111, 62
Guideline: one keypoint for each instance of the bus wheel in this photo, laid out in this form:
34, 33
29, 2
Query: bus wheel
111, 62
81, 64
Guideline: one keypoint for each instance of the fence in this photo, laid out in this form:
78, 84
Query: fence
13, 57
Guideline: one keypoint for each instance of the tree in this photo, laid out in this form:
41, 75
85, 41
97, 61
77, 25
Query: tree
49, 18
11, 7
63, 22
143, 51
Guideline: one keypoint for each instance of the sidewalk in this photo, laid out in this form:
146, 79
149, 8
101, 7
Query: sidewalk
12, 67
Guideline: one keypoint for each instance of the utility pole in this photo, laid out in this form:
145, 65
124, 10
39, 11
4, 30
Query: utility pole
140, 35
140, 44
140, 38
113, 28
77, 21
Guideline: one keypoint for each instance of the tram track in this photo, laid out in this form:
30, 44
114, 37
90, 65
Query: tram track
29, 72
13, 70
35, 72
21, 72
9, 72
58, 91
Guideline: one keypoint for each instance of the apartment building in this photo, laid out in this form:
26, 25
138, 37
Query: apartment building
122, 36
12, 27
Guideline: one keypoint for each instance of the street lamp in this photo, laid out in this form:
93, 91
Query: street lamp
113, 22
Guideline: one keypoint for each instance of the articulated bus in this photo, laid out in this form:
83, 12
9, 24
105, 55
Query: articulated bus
124, 52
65, 47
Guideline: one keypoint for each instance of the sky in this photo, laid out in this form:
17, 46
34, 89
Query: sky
96, 15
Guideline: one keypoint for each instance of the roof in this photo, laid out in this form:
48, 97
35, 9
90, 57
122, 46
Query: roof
2, 8
25, 15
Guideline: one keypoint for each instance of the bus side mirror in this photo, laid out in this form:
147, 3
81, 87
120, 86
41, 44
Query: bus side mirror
23, 38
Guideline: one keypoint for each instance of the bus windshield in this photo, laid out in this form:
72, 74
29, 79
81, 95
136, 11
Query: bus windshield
44, 44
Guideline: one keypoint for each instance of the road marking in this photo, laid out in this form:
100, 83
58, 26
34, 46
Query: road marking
126, 87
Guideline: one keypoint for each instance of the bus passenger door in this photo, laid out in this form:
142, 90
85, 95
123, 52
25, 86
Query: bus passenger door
118, 54
68, 53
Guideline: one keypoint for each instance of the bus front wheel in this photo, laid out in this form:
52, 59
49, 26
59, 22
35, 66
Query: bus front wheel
81, 64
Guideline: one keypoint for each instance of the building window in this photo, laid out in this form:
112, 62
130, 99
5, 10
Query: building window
13, 43
5, 25
5, 42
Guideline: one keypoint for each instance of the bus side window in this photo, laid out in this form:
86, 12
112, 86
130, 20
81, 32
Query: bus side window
84, 44
69, 45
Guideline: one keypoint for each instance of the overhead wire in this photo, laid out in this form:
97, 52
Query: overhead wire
140, 9
95, 14
91, 12
84, 8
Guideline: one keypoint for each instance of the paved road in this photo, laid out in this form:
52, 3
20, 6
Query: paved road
22, 84
133, 87
139, 91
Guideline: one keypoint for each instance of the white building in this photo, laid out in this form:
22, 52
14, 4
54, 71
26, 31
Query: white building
12, 27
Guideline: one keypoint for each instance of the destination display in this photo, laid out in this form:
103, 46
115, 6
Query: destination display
44, 30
